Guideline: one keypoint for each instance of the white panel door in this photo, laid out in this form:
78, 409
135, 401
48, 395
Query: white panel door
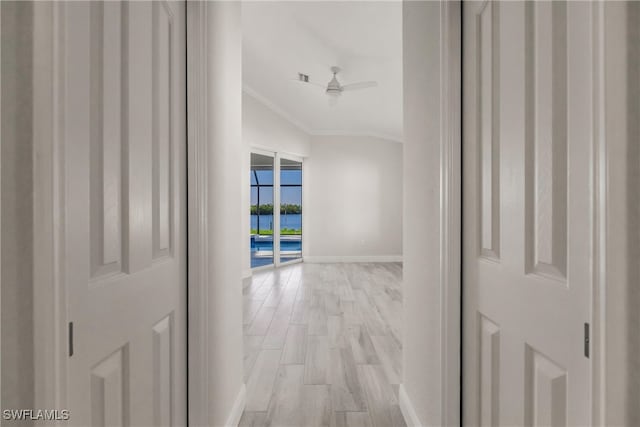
527, 212
124, 212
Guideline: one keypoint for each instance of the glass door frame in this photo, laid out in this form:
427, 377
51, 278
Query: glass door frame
276, 222
277, 156
272, 155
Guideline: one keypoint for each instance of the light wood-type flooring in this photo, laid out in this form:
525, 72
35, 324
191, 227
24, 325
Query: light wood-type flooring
322, 345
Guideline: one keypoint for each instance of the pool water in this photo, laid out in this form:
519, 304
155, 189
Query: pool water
262, 249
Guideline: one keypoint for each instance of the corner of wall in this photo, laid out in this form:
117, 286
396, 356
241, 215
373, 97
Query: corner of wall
215, 150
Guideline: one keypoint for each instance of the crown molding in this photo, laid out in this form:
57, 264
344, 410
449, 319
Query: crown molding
306, 129
386, 137
274, 108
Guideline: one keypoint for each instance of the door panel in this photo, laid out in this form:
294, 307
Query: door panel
124, 170
290, 215
527, 212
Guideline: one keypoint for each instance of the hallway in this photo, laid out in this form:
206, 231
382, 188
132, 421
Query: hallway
323, 345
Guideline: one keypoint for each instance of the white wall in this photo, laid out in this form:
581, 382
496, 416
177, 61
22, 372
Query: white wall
632, 248
620, 224
353, 206
265, 129
422, 364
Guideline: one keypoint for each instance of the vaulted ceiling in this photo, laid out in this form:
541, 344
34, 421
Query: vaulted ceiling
281, 39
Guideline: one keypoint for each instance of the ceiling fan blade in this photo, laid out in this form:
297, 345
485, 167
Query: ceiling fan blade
359, 85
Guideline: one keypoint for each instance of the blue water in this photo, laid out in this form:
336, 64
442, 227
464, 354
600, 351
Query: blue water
266, 244
285, 245
292, 221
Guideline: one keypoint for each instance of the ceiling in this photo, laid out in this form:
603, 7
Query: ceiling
281, 39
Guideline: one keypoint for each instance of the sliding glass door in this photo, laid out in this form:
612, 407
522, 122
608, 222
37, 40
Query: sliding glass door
262, 219
276, 234
290, 210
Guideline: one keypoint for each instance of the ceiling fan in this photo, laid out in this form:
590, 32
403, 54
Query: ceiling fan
334, 88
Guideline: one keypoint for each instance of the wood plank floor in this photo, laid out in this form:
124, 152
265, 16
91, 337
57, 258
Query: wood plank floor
322, 345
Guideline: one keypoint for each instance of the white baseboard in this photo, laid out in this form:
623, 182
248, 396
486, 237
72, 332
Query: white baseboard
262, 268
238, 408
406, 407
246, 274
358, 258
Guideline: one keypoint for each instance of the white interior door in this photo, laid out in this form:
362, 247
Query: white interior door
124, 251
527, 212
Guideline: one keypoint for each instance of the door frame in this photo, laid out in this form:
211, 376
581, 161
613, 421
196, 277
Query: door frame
274, 157
292, 157
451, 211
50, 335
49, 293
197, 215
277, 156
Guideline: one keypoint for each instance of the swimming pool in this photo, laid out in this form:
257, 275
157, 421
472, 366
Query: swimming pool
262, 249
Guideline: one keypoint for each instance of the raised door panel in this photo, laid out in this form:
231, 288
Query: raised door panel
488, 96
489, 373
546, 391
162, 371
109, 391
106, 119
138, 140
162, 147
546, 138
